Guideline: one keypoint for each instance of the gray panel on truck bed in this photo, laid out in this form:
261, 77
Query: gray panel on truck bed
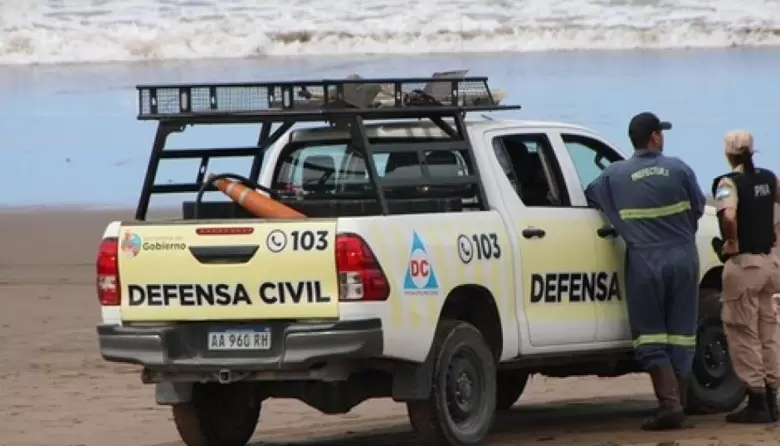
330, 208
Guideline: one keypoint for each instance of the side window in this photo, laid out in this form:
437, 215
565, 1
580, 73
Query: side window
530, 166
589, 156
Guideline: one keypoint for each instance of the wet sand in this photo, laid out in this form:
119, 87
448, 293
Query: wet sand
56, 390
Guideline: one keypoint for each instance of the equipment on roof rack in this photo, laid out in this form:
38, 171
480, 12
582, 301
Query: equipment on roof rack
443, 98
316, 99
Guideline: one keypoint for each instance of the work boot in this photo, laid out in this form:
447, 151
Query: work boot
670, 413
771, 403
682, 390
755, 412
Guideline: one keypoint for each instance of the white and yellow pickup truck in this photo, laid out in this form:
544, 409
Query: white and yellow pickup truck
442, 262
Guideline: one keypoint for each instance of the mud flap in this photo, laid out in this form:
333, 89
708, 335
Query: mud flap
169, 393
413, 381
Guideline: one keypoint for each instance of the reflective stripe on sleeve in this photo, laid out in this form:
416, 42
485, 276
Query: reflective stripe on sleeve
663, 211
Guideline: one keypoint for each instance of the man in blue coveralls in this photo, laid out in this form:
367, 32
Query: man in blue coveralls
655, 202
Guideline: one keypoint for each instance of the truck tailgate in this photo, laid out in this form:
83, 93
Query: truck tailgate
236, 270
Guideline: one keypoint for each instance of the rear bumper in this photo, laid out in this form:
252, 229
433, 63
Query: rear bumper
294, 346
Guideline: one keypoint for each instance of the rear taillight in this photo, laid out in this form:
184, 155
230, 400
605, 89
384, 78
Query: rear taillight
108, 272
360, 276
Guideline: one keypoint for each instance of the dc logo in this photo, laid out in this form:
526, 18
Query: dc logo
420, 274
419, 269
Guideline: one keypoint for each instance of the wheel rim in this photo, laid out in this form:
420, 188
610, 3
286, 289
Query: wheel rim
464, 388
712, 365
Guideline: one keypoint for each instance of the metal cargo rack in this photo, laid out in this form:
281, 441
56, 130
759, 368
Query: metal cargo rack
346, 103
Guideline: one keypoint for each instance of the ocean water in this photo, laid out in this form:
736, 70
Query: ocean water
68, 70
54, 31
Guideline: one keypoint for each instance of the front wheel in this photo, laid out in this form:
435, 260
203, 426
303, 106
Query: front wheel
462, 402
218, 415
713, 387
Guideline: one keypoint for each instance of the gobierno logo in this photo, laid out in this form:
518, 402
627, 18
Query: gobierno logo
163, 246
131, 244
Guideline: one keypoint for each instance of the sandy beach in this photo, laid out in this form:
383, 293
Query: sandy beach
68, 71
56, 390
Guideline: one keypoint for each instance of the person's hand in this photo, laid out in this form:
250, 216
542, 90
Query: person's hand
730, 248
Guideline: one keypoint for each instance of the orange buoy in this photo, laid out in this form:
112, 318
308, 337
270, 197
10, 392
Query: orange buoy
255, 202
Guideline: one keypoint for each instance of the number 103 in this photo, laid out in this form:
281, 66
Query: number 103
486, 246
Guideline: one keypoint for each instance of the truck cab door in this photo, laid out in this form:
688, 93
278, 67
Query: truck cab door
588, 156
555, 276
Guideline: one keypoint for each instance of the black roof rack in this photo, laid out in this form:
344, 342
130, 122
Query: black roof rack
347, 103
315, 100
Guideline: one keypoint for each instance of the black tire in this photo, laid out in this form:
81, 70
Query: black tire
510, 386
713, 387
447, 418
218, 415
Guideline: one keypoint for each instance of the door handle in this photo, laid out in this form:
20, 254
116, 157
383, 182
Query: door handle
533, 233
607, 231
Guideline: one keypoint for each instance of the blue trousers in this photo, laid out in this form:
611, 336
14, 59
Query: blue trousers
662, 292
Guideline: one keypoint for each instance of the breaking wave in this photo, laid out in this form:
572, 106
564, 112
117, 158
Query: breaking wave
66, 31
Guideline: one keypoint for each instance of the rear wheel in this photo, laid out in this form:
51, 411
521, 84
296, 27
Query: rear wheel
713, 387
462, 402
218, 415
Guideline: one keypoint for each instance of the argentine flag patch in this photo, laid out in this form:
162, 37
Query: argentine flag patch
722, 193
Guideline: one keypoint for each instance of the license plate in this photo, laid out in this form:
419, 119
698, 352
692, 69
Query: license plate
254, 339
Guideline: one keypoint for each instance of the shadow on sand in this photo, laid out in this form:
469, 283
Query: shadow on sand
525, 423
